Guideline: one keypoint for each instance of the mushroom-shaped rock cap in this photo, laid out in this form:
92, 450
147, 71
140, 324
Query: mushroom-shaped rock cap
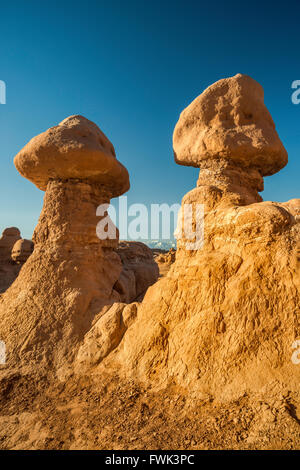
229, 120
9, 237
77, 149
13, 232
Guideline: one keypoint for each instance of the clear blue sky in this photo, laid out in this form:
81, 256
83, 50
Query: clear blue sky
132, 66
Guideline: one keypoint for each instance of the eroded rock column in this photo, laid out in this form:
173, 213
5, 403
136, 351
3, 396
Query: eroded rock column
71, 274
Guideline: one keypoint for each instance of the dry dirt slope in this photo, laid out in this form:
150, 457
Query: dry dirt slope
107, 413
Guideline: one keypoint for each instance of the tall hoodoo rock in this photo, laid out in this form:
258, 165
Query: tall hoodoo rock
224, 319
71, 273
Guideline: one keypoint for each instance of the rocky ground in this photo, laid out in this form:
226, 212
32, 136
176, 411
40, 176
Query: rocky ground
107, 413
164, 259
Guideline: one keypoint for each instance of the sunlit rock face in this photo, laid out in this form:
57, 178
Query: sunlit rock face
71, 273
21, 250
223, 320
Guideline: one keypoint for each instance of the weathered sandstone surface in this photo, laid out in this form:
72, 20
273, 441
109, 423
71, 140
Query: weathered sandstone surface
109, 326
205, 361
230, 121
167, 257
71, 274
21, 250
223, 321
164, 260
7, 240
14, 251
139, 270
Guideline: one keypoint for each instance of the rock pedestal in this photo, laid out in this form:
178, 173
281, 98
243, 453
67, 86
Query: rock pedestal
71, 274
223, 321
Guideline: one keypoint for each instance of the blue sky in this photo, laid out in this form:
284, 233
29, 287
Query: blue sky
132, 67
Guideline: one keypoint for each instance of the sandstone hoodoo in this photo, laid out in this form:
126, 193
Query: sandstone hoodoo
223, 320
21, 250
71, 274
204, 358
8, 269
14, 252
7, 240
228, 132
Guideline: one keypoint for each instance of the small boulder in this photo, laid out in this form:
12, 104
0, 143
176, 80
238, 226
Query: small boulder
21, 250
